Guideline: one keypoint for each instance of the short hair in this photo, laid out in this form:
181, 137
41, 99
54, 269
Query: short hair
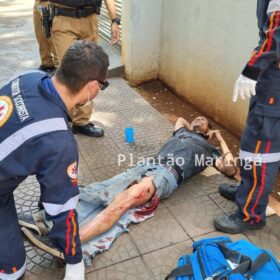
209, 124
83, 62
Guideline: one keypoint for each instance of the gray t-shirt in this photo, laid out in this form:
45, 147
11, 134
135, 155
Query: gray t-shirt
189, 151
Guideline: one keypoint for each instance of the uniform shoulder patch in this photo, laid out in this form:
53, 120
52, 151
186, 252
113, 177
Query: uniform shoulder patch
6, 109
72, 171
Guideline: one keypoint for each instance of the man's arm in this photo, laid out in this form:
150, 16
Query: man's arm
110, 5
268, 50
57, 175
181, 122
265, 54
225, 164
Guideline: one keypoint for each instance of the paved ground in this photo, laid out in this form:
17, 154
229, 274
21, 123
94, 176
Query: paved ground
150, 250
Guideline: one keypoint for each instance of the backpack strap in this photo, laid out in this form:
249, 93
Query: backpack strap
242, 268
185, 270
244, 262
232, 255
246, 266
259, 261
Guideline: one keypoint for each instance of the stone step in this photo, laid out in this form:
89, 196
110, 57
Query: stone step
116, 67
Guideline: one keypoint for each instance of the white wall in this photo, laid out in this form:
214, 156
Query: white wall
141, 21
205, 45
197, 47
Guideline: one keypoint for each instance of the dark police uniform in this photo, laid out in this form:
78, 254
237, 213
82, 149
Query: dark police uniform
35, 140
75, 20
260, 143
46, 47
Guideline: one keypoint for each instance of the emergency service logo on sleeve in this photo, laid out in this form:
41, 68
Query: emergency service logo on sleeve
6, 109
72, 171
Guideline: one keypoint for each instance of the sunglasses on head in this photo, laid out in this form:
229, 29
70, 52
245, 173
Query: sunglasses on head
104, 84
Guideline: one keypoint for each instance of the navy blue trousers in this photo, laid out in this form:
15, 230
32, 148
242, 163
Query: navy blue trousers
260, 147
12, 252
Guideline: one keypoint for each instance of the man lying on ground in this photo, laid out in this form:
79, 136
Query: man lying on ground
185, 154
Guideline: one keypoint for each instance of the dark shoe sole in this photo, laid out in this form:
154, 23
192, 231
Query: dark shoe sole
77, 131
235, 231
47, 69
30, 236
227, 196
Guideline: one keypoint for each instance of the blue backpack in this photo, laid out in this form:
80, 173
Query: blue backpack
221, 259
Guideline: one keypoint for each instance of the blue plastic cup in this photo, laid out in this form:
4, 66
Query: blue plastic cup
129, 135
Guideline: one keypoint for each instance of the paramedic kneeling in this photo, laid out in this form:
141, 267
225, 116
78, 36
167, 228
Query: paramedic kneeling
35, 139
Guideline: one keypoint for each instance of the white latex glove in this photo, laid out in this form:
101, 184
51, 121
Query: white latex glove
75, 271
244, 87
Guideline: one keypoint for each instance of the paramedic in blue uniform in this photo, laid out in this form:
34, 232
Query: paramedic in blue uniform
35, 139
260, 143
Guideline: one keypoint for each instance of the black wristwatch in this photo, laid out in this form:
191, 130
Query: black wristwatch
117, 21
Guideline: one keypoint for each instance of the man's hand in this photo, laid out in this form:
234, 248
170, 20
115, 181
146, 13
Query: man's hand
244, 87
75, 271
215, 133
181, 122
111, 7
115, 33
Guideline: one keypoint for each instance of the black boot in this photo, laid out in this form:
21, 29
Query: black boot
48, 69
88, 129
233, 223
228, 191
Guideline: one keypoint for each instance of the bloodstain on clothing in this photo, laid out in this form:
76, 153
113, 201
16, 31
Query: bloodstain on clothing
148, 208
102, 247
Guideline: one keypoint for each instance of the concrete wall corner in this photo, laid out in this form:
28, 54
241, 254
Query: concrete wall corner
141, 35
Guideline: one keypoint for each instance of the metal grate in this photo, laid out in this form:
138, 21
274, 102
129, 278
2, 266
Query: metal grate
105, 21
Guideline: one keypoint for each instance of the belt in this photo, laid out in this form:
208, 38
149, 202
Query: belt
174, 168
75, 13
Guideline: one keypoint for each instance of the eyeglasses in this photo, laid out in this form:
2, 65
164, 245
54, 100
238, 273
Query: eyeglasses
104, 84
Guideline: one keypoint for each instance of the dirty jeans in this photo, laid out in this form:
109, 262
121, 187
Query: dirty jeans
97, 196
100, 194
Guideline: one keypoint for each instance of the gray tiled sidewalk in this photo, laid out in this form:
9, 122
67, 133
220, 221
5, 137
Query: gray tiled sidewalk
151, 248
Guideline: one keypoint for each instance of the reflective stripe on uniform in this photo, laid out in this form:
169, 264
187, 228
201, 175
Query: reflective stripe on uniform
266, 46
18, 138
55, 209
13, 276
245, 209
262, 185
262, 158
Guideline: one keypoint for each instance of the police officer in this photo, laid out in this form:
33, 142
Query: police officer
260, 143
77, 20
35, 139
46, 48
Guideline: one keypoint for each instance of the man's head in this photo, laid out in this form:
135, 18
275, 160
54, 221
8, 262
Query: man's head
201, 124
83, 70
